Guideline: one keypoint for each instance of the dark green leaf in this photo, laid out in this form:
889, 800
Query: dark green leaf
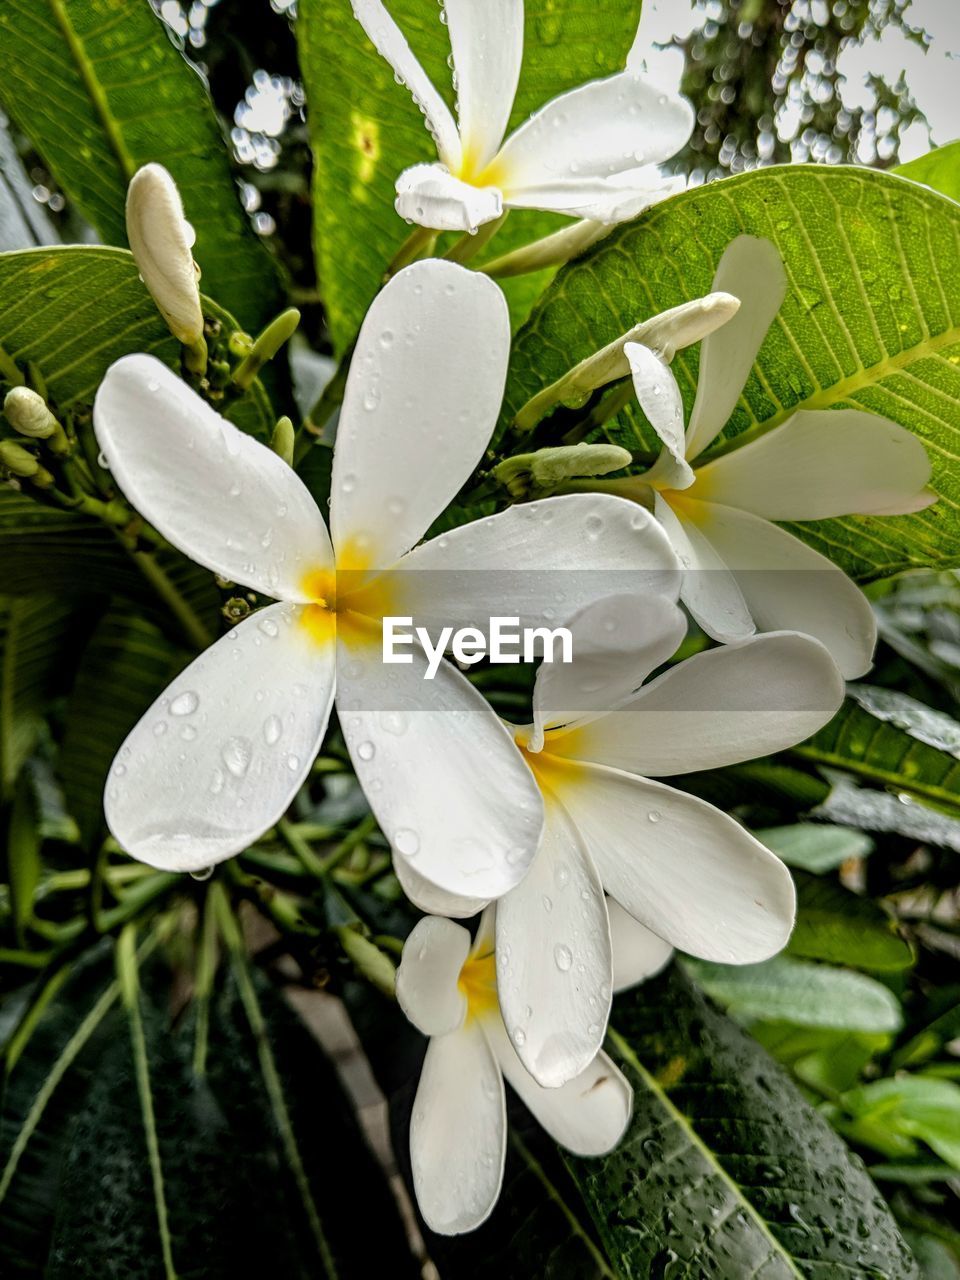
834, 924
101, 90
726, 1170
871, 320
32, 632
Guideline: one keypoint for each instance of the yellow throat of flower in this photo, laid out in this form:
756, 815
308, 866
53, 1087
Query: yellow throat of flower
349, 601
478, 983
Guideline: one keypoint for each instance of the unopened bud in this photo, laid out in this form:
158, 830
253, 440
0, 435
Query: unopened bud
534, 474
280, 330
161, 240
369, 960
283, 440
29, 414
17, 460
664, 334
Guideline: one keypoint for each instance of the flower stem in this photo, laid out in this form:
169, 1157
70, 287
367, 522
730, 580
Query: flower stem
468, 246
416, 245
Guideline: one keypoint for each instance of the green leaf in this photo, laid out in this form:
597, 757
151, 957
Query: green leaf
100, 89
365, 128
898, 750
912, 1106
74, 310
78, 1201
32, 633
880, 811
939, 169
871, 320
797, 991
126, 664
836, 925
815, 846
725, 1169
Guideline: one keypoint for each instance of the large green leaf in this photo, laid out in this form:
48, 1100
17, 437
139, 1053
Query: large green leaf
32, 631
898, 743
939, 169
726, 1171
126, 664
73, 310
365, 128
871, 319
105, 1107
101, 90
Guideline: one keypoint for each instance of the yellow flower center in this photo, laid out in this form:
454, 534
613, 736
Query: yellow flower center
478, 984
349, 601
552, 772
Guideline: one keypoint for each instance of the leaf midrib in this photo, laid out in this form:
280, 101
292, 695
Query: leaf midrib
94, 88
625, 1050
940, 795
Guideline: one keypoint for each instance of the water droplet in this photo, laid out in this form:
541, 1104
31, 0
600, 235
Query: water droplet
406, 842
160, 728
102, 460
547, 903
266, 539
184, 704
217, 781
594, 526
268, 627
188, 733
562, 957
236, 489
519, 1037
366, 751
203, 874
237, 754
393, 722
654, 815
348, 484
386, 338
561, 875
272, 729
371, 398
119, 770
293, 763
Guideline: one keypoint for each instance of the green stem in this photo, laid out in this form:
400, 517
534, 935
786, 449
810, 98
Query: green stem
203, 985
468, 246
608, 408
192, 627
330, 399
416, 245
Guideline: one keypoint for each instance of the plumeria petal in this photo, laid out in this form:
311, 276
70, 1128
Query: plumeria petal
710, 591
744, 700
659, 398
487, 44
217, 759
617, 642
752, 271
832, 462
680, 866
554, 971
638, 952
390, 42
597, 130
412, 429
539, 561
449, 788
789, 586
458, 1133
219, 496
429, 195
424, 894
588, 1115
427, 977
629, 193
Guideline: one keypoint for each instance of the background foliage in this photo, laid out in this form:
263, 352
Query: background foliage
164, 1112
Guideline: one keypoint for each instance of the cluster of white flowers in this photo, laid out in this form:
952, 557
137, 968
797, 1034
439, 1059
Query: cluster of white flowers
584, 871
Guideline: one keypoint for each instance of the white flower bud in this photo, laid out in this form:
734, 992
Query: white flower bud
161, 240
28, 414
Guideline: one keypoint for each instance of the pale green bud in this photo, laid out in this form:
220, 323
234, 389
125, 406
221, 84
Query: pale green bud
283, 440
370, 961
17, 460
280, 330
533, 474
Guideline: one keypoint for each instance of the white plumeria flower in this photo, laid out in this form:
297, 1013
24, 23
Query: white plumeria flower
681, 867
447, 987
590, 153
746, 573
218, 758
161, 241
